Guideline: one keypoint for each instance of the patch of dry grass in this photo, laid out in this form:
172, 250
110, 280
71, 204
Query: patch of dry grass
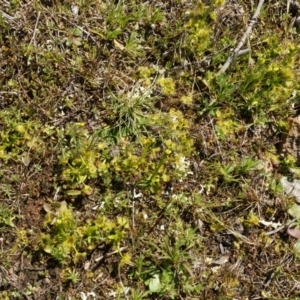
129, 169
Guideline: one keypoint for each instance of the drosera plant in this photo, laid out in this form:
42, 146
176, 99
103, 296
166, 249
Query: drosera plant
266, 90
78, 158
68, 240
168, 153
17, 134
127, 151
70, 275
199, 27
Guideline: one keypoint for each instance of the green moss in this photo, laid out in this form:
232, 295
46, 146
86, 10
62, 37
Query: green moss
167, 85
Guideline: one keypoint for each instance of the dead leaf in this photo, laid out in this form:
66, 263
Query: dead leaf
118, 45
293, 231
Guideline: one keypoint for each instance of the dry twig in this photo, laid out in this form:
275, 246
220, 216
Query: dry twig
6, 16
243, 39
35, 29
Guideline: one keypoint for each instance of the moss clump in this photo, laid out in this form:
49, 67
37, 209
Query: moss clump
167, 85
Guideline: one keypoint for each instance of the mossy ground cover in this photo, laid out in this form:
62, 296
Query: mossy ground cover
129, 168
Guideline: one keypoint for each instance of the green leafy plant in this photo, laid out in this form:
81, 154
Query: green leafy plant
6, 216
130, 112
69, 275
172, 268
